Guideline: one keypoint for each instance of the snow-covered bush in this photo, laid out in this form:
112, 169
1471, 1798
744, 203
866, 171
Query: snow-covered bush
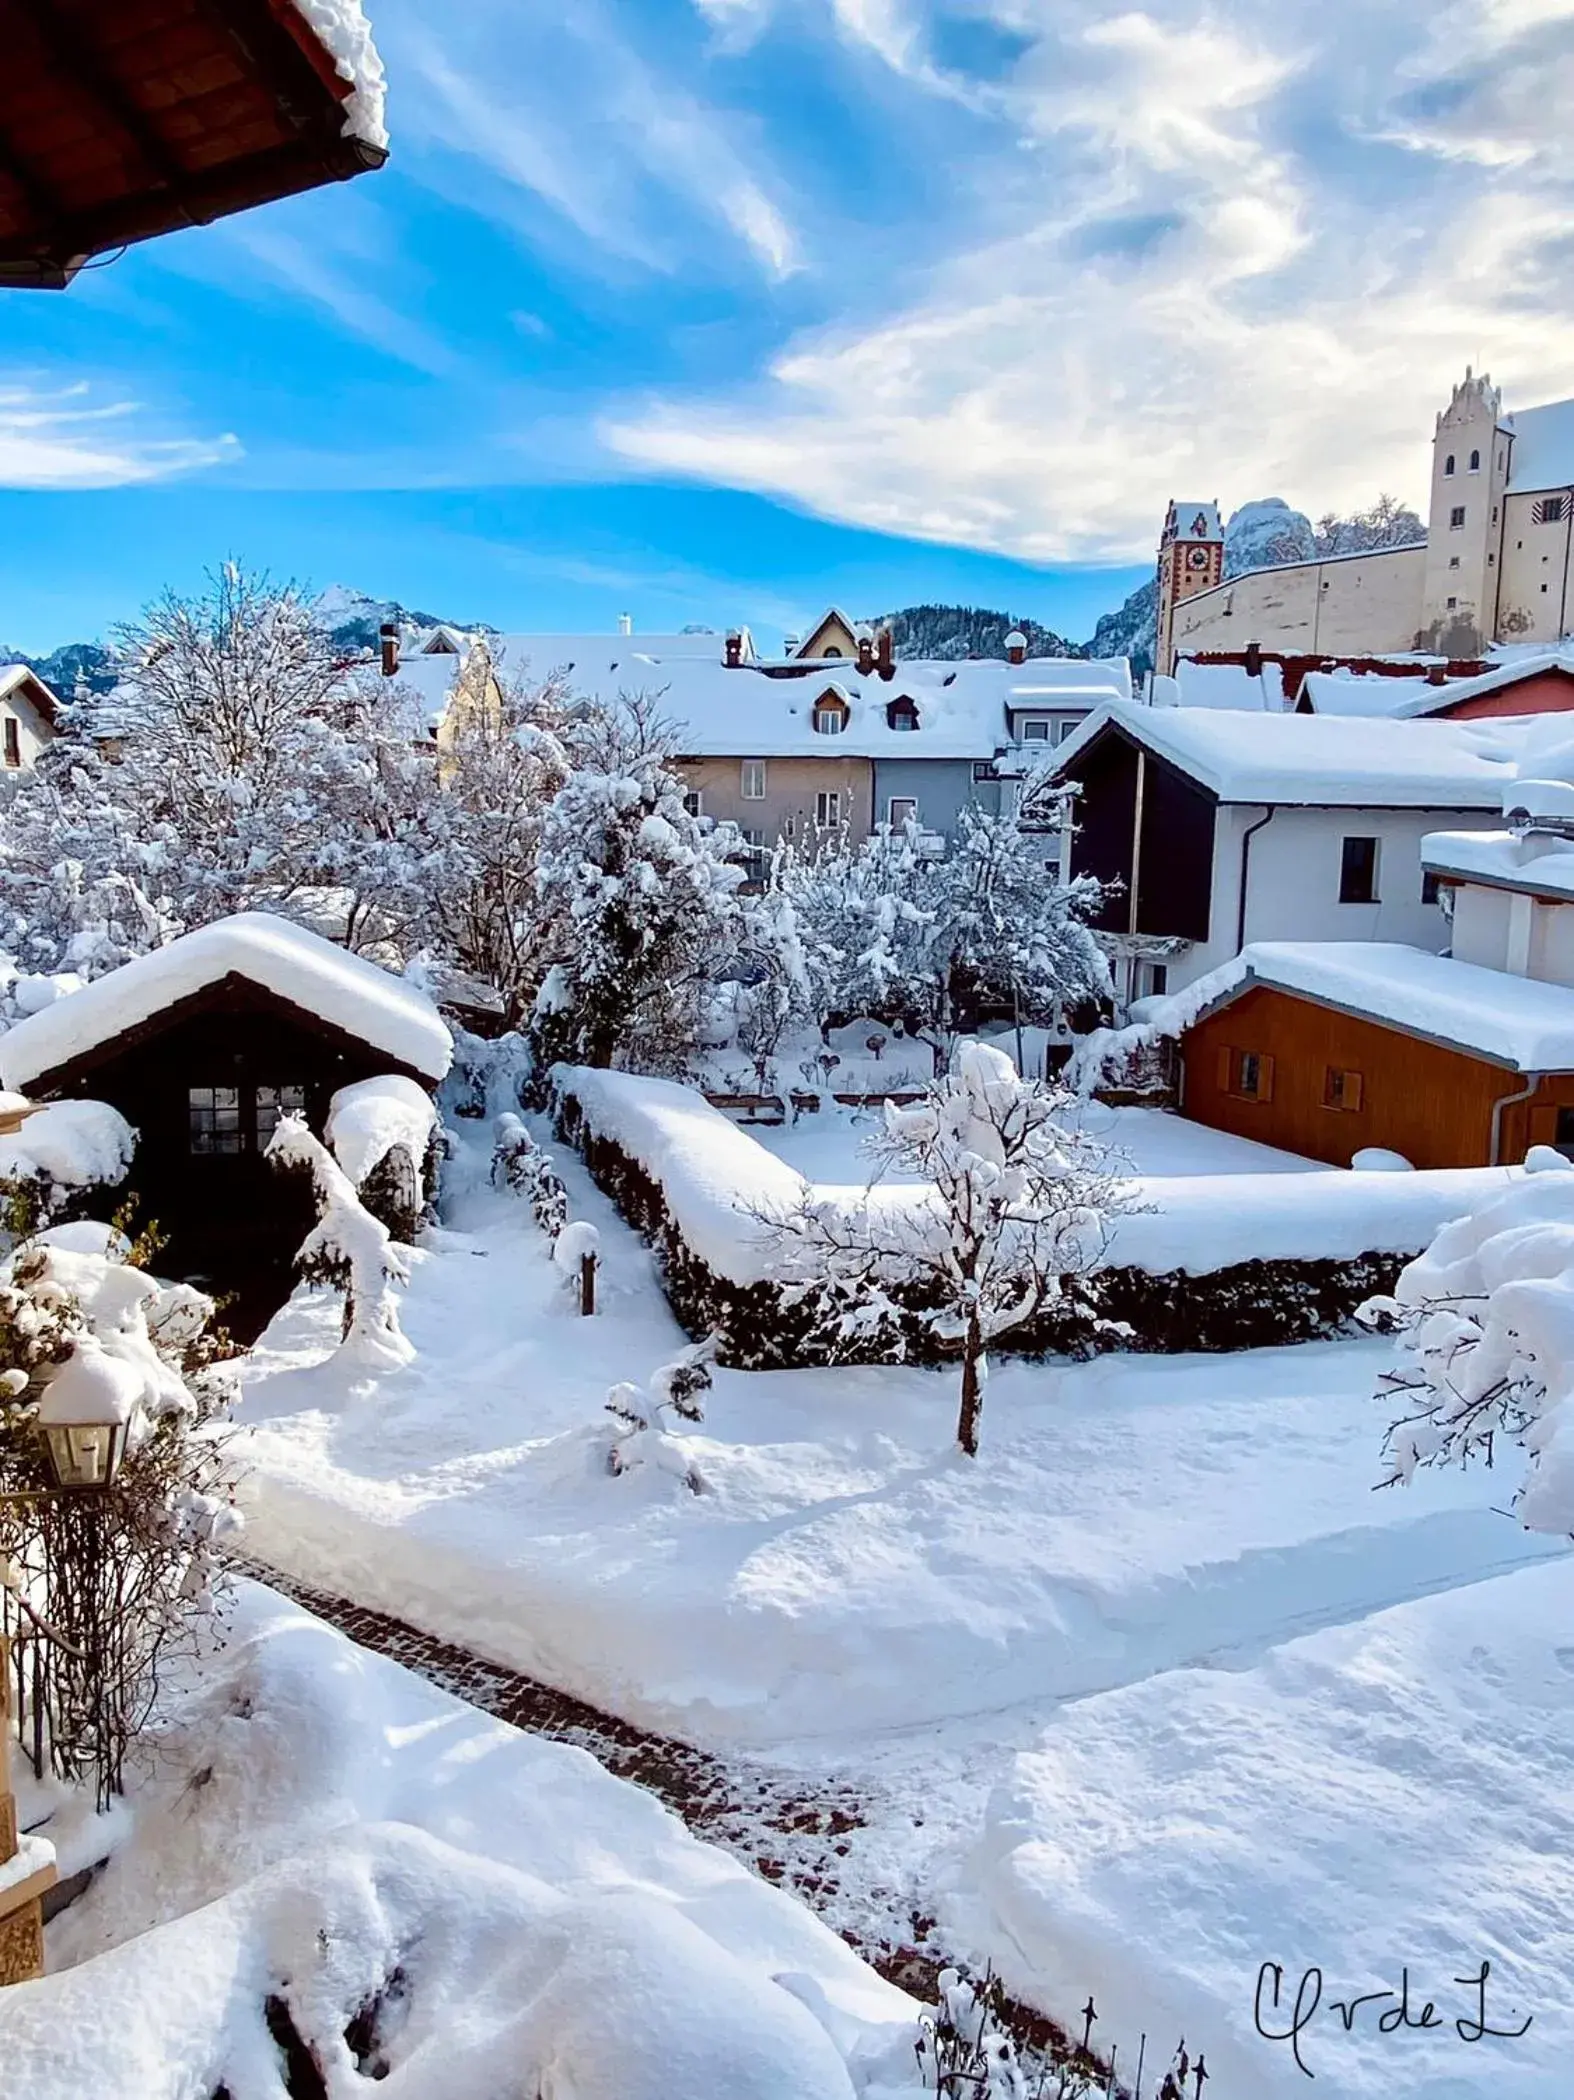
1010, 1219
381, 1132
59, 1153
520, 1164
107, 1582
347, 1249
1485, 1321
643, 1436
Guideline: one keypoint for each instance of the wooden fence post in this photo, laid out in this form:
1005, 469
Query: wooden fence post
587, 1285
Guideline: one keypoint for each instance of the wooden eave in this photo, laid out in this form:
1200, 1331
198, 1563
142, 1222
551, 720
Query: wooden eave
1251, 982
124, 119
235, 990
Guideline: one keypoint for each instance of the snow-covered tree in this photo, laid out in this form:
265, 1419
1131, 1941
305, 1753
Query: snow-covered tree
639, 904
349, 1250
520, 1164
1485, 1324
1009, 1217
864, 923
1388, 523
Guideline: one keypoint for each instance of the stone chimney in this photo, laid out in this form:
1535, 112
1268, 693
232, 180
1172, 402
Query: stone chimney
885, 654
625, 623
1016, 647
388, 644
865, 652
734, 657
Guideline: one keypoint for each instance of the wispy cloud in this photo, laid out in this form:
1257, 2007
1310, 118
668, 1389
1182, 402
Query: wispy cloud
55, 436
1338, 207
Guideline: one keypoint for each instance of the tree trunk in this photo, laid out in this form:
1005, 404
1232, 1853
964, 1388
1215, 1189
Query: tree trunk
972, 1390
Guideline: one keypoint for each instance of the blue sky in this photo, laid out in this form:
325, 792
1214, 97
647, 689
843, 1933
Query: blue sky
724, 309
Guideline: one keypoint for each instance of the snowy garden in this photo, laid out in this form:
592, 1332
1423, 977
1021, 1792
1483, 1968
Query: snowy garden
1088, 1551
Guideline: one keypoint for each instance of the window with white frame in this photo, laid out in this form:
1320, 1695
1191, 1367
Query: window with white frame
752, 785
830, 721
693, 802
1456, 518
828, 808
1066, 726
900, 810
1035, 730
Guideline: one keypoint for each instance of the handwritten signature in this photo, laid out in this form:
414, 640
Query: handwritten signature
1269, 2005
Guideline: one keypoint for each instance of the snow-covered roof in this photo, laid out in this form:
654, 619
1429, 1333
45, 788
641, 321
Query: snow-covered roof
345, 34
1344, 693
1542, 456
23, 681
1517, 1022
341, 989
1230, 685
1197, 521
429, 681
1540, 866
598, 655
1318, 761
965, 709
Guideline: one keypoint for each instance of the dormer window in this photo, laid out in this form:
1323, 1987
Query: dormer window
830, 714
902, 713
1035, 730
1448, 464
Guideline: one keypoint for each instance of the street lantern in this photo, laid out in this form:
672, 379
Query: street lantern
85, 1416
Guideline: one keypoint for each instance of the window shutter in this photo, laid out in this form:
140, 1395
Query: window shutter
1264, 1078
1354, 1087
1543, 1123
1226, 1070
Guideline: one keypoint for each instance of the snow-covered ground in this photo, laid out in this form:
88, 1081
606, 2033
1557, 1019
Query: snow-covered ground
1126, 1635
827, 1146
436, 1898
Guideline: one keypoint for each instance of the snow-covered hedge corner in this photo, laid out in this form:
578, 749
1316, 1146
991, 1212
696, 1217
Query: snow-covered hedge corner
345, 34
1212, 1262
1486, 1324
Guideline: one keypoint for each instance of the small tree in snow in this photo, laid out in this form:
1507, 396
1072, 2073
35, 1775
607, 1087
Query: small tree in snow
348, 1249
1485, 1321
518, 1163
1011, 1216
643, 1436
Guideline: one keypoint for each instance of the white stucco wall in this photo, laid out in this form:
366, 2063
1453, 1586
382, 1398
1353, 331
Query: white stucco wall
1491, 924
1481, 925
1536, 593
1362, 605
1294, 881
33, 733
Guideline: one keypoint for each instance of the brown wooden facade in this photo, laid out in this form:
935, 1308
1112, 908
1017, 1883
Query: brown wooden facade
1330, 1083
233, 1222
124, 119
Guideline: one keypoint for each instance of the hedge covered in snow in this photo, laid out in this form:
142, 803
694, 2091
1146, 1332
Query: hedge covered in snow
1210, 1262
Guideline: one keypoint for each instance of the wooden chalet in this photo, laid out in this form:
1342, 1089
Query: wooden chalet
1331, 1048
124, 119
203, 1046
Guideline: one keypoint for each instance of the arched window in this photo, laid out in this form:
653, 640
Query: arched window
1475, 462
1448, 464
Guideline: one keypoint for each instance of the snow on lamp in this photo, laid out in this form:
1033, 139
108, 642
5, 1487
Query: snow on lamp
85, 1416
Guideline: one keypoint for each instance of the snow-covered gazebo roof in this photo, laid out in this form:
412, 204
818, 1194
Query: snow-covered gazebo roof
341, 990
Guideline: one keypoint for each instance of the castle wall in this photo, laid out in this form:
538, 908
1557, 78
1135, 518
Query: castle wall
1536, 594
1357, 604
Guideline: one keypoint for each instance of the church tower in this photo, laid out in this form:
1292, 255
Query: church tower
1191, 559
1464, 541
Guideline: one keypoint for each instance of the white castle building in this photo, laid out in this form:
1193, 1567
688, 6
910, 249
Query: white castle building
1495, 566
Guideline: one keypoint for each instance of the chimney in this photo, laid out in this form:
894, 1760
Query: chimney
865, 652
388, 643
1254, 659
885, 655
625, 623
734, 649
1016, 647
790, 644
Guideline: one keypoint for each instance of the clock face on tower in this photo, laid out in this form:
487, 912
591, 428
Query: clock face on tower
1196, 557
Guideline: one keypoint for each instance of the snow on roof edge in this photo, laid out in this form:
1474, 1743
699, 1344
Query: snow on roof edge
344, 990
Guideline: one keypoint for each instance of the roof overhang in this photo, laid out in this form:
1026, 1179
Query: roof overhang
119, 123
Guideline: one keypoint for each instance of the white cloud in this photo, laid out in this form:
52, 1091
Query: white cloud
1239, 256
59, 437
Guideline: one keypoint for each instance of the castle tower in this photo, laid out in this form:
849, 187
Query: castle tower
1464, 530
1191, 559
